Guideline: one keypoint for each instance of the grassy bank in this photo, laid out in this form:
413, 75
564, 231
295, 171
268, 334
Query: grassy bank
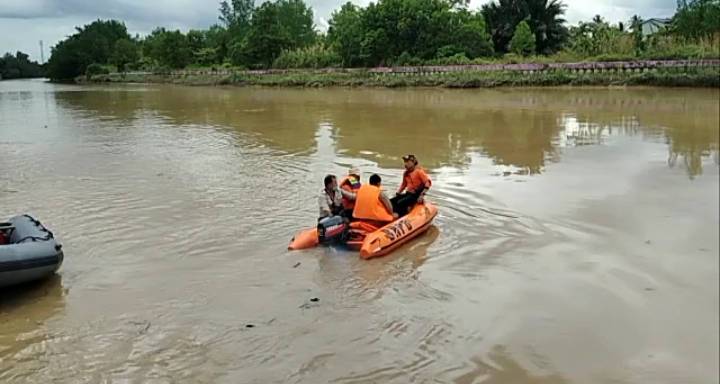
686, 77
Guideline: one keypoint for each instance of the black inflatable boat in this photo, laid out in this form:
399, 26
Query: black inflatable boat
28, 251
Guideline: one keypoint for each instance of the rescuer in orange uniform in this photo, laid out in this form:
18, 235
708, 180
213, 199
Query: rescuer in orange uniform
371, 203
413, 188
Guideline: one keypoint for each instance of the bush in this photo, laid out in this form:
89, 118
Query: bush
448, 51
406, 59
673, 47
96, 69
315, 56
456, 59
513, 58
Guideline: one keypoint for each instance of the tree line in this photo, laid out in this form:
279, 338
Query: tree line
19, 66
281, 34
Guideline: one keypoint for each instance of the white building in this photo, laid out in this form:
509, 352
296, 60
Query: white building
652, 26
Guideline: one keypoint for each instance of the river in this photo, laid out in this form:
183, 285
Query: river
576, 242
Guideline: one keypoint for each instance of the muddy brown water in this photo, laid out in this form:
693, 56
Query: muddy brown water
577, 239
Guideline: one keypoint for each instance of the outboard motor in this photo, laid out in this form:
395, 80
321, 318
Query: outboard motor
332, 229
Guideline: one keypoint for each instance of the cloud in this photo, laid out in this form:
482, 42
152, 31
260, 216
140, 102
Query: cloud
618, 10
183, 13
25, 9
52, 20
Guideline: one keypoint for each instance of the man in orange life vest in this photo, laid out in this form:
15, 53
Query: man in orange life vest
413, 188
372, 204
350, 184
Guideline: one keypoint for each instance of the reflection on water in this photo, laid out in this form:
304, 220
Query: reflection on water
371, 278
692, 147
576, 241
520, 129
501, 368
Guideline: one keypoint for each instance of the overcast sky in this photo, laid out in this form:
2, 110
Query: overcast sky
23, 23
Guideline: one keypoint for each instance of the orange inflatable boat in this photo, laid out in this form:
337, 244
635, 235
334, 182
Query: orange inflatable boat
373, 241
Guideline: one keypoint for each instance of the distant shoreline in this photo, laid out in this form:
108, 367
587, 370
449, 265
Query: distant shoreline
687, 73
22, 78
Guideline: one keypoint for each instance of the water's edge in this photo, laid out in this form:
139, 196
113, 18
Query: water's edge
702, 77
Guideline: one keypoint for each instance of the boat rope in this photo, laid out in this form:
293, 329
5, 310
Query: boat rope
42, 228
33, 238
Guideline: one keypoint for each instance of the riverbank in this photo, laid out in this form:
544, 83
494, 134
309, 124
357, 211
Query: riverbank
686, 73
672, 77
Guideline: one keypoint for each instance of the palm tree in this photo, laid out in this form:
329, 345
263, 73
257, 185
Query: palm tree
636, 27
545, 18
636, 23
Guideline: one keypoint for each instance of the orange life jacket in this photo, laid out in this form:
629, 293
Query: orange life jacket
368, 205
350, 184
416, 180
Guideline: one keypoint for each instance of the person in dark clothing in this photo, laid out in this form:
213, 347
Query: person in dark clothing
412, 191
330, 199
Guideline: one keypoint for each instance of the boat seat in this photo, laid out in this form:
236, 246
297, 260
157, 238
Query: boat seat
7, 228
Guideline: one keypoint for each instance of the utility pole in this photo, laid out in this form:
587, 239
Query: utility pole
42, 53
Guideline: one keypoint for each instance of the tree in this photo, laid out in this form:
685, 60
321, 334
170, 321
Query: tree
206, 56
125, 52
174, 50
92, 43
543, 16
236, 17
18, 67
66, 61
471, 34
151, 45
218, 39
97, 39
407, 31
9, 68
196, 40
345, 33
414, 28
276, 26
168, 48
297, 19
523, 41
697, 18
236, 14
636, 27
599, 37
